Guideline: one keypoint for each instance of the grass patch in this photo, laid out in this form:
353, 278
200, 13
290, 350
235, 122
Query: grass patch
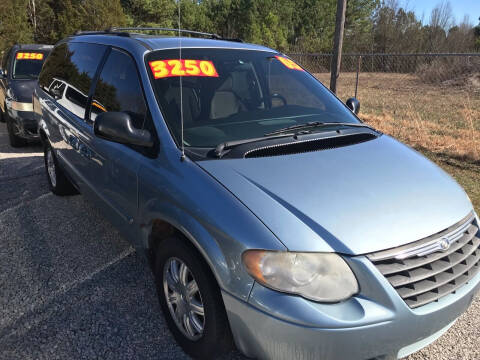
441, 121
466, 173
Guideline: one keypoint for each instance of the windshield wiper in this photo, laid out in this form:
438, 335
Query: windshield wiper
220, 148
314, 124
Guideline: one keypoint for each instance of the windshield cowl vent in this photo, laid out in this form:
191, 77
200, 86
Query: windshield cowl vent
299, 147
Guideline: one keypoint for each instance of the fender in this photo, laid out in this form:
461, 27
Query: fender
195, 232
206, 213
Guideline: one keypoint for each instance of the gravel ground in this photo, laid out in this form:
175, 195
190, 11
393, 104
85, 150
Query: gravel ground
72, 288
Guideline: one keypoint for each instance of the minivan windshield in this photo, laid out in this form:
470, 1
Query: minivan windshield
231, 94
27, 64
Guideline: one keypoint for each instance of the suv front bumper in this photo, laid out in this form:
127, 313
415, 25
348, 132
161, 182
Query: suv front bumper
376, 323
25, 122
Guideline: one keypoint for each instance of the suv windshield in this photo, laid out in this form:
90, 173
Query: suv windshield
27, 64
237, 94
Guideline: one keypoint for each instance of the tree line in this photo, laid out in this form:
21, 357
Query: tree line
289, 25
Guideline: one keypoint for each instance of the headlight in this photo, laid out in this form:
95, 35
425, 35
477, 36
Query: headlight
21, 106
323, 277
10, 94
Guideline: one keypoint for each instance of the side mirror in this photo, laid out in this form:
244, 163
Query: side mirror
117, 127
2, 74
354, 105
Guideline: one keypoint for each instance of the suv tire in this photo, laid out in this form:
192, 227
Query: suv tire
14, 139
194, 279
58, 182
2, 114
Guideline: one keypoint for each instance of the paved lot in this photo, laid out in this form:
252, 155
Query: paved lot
72, 288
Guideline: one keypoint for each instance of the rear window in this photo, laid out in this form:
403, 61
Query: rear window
237, 94
28, 64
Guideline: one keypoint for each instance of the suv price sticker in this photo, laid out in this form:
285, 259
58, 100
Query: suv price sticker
289, 63
29, 56
184, 67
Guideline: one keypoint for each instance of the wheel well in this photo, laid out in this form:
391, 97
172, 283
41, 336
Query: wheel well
162, 230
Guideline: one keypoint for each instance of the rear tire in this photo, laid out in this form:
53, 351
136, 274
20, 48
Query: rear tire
204, 336
14, 139
59, 184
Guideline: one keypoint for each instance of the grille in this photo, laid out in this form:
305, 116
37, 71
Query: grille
426, 270
309, 145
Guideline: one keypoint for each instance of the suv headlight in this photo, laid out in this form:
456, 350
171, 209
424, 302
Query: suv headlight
10, 95
323, 277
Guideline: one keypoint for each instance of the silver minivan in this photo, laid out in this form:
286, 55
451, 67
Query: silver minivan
276, 220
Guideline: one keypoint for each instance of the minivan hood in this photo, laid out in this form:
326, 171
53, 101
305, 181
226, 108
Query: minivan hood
354, 200
22, 89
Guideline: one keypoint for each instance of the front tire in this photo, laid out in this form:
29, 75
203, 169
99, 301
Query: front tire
58, 182
191, 300
14, 139
2, 114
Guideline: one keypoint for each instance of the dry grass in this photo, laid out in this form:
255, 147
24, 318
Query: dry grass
439, 119
424, 134
442, 121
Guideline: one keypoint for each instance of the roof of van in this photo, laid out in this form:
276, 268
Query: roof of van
33, 47
158, 42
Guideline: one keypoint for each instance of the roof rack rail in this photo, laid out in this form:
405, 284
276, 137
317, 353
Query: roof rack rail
199, 33
101, 32
125, 31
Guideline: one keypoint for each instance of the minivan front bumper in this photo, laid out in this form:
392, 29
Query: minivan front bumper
376, 323
25, 122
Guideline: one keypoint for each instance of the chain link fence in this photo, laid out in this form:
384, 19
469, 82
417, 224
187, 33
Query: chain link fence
437, 69
390, 63
431, 68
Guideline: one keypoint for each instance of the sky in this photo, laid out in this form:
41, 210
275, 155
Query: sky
459, 8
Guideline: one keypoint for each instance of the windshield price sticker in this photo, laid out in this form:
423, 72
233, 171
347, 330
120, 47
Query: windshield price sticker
289, 63
29, 56
175, 67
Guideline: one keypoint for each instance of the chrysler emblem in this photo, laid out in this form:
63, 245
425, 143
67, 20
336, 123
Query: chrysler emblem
444, 244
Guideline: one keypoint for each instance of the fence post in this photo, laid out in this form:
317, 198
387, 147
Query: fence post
337, 44
358, 72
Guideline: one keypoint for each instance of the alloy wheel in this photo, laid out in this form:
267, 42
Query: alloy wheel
183, 298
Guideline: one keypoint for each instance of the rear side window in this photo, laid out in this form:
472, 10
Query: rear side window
8, 64
74, 65
5, 60
52, 67
119, 89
